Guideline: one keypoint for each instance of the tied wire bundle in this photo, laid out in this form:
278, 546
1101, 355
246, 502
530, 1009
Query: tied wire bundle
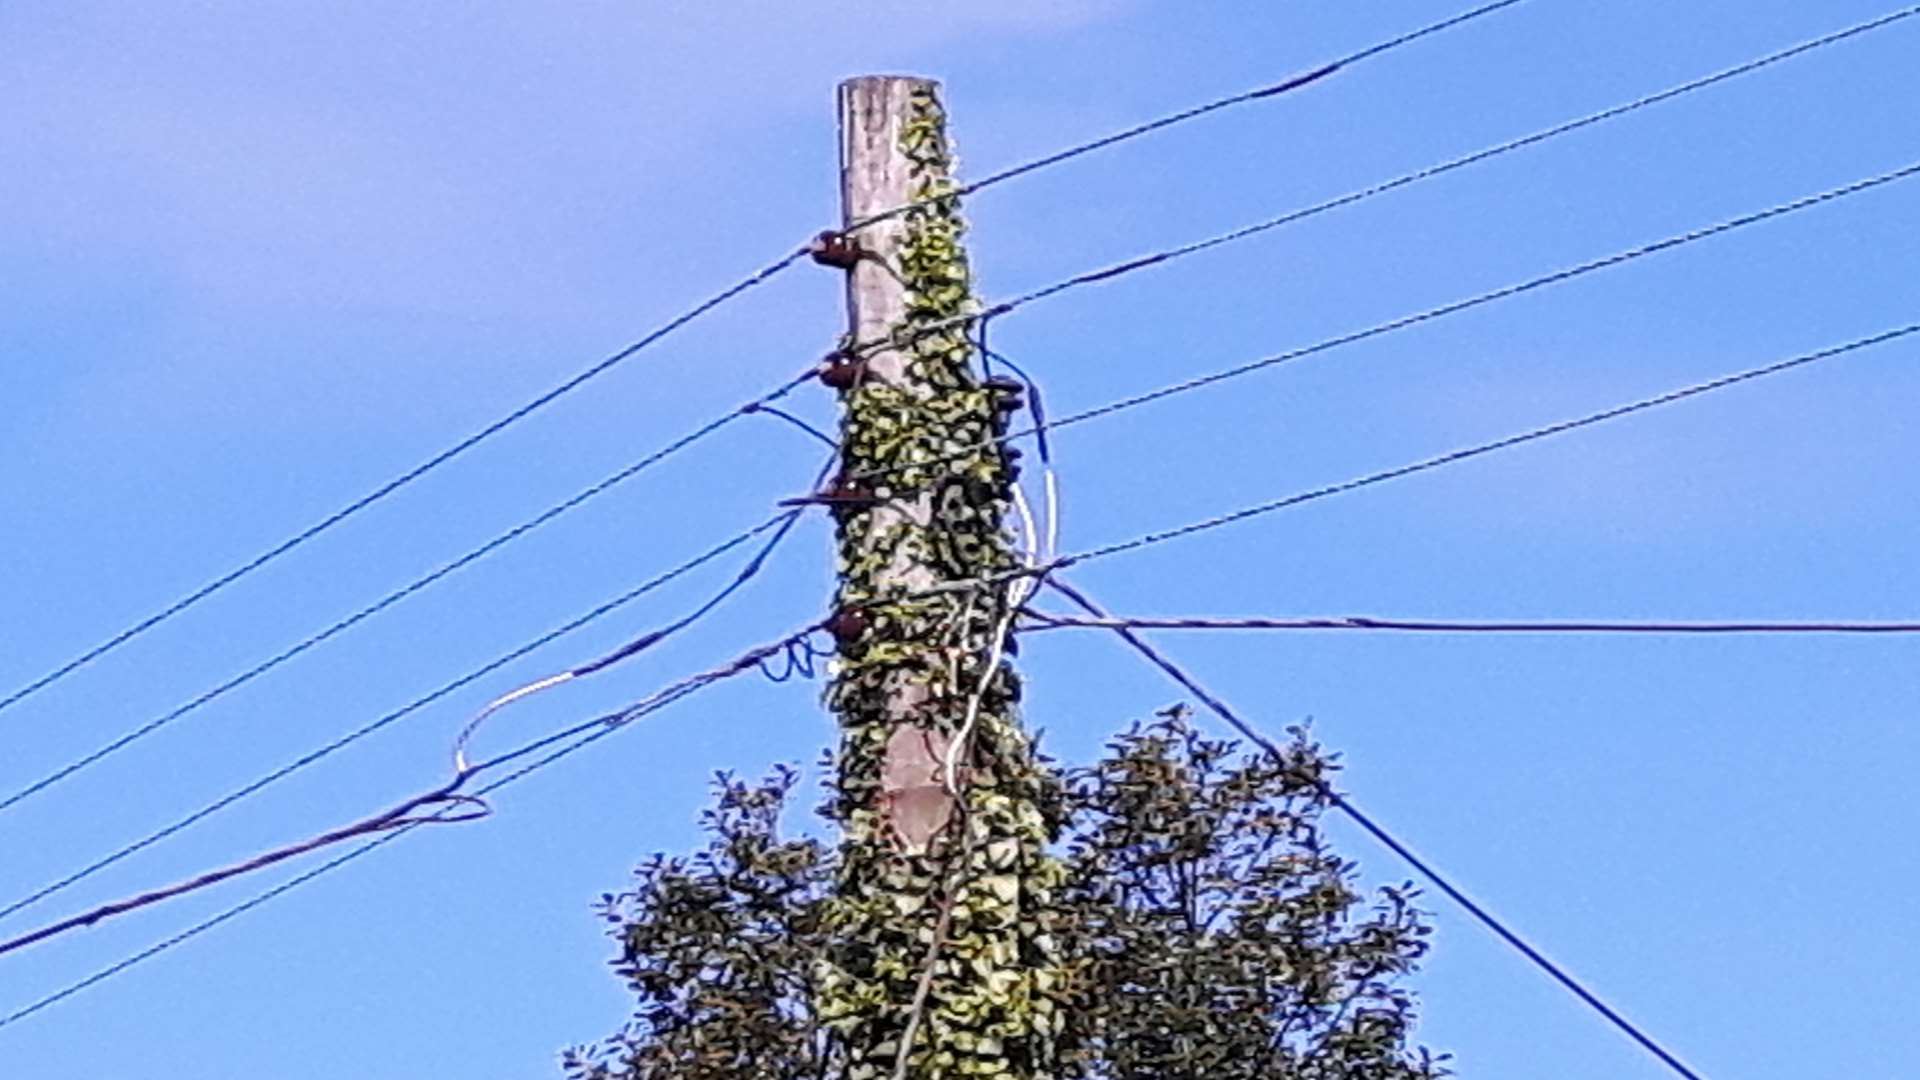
401, 816
453, 803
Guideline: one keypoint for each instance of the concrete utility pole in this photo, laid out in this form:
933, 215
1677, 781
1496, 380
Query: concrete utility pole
942, 962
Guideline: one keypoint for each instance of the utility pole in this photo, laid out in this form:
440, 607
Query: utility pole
942, 962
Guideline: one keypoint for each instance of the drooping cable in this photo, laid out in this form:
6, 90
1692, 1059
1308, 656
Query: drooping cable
1420, 865
401, 816
645, 641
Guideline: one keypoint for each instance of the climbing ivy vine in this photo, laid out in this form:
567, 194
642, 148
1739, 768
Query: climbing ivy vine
995, 987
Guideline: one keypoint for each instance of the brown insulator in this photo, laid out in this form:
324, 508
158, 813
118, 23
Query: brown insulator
840, 493
842, 371
835, 249
846, 625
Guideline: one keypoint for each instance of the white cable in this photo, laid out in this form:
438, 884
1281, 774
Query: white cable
460, 763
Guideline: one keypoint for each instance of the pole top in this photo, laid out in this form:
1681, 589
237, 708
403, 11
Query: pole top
869, 80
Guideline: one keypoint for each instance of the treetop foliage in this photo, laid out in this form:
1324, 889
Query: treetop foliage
1211, 931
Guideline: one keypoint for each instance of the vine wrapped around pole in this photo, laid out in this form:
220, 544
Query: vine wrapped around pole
942, 919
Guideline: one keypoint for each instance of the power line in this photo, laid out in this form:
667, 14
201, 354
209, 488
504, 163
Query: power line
1293, 82
402, 593
447, 795
394, 485
779, 523
647, 640
1430, 314
1454, 456
1458, 163
796, 422
725, 295
1156, 258
1286, 85
202, 927
1555, 278
1048, 621
1379, 833
582, 735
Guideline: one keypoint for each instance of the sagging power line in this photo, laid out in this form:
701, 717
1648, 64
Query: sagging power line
1420, 865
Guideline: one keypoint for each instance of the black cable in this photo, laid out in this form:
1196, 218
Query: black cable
1035, 405
202, 927
447, 795
779, 521
760, 405
1408, 321
588, 733
1170, 254
395, 484
1156, 258
795, 421
1374, 829
746, 574
1048, 621
654, 637
1454, 456
1290, 83
676, 323
398, 595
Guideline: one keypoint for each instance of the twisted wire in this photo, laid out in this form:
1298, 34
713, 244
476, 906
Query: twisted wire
1043, 620
393, 823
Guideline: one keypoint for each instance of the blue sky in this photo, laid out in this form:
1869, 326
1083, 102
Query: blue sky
261, 257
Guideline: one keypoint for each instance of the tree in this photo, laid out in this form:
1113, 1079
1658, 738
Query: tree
1208, 928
